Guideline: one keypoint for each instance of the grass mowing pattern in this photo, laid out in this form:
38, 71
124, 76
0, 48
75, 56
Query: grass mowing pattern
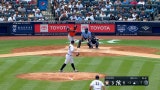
121, 65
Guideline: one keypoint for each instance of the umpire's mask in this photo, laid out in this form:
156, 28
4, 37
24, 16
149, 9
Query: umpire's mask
86, 30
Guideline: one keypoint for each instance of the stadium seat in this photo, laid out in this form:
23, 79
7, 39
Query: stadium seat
94, 2
98, 18
106, 18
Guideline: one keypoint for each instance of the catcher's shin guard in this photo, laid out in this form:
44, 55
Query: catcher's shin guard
97, 44
90, 44
79, 44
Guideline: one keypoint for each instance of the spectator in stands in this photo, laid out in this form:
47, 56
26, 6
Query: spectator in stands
125, 19
1, 8
21, 8
11, 19
2, 18
149, 2
134, 15
32, 2
118, 8
35, 9
23, 15
29, 19
112, 8
89, 16
17, 14
110, 14
73, 17
79, 5
10, 5
142, 15
151, 11
56, 17
141, 2
108, 5
117, 2
56, 9
130, 18
133, 2
38, 14
103, 8
112, 17
40, 19
125, 2
137, 18
28, 8
119, 17
102, 15
79, 17
31, 14
64, 16
95, 15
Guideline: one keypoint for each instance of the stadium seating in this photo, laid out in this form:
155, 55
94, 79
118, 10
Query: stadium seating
92, 6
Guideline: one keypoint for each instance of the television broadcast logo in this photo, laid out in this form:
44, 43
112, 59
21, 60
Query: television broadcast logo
43, 27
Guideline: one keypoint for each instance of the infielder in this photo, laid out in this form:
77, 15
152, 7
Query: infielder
69, 57
86, 35
97, 84
71, 33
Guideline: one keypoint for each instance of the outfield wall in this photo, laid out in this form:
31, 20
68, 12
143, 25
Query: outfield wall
99, 28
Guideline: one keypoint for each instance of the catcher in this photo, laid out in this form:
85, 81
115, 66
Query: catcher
69, 57
93, 41
71, 33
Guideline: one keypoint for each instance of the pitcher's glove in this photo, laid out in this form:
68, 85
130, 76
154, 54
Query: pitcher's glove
77, 54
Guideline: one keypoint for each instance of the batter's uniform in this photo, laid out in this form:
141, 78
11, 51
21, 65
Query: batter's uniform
71, 33
86, 35
69, 57
96, 85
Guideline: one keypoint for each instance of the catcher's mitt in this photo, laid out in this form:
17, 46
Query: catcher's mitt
77, 54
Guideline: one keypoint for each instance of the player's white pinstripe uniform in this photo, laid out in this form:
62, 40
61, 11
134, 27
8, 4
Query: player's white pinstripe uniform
97, 85
69, 57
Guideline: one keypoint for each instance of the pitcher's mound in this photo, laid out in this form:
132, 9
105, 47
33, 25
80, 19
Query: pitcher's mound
60, 76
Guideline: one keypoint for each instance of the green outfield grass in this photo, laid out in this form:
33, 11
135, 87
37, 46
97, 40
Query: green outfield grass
112, 66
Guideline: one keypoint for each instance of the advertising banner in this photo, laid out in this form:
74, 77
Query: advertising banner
54, 28
5, 28
127, 28
102, 28
149, 28
61, 28
22, 28
43, 4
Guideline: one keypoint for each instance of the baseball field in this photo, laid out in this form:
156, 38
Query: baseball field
33, 62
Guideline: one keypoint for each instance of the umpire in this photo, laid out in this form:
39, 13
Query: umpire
86, 35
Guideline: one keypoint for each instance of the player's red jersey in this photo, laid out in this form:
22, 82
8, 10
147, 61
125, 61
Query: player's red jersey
72, 32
